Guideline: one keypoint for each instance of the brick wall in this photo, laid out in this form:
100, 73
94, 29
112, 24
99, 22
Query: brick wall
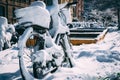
9, 7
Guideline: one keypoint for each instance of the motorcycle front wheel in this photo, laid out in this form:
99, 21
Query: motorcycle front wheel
29, 43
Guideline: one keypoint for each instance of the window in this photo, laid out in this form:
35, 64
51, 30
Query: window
48, 2
75, 0
2, 11
23, 0
13, 12
59, 1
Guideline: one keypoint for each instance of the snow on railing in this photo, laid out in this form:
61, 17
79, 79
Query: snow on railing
84, 25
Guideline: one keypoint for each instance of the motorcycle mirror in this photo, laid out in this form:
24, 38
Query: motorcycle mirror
67, 5
71, 4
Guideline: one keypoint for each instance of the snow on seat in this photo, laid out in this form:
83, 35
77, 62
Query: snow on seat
34, 14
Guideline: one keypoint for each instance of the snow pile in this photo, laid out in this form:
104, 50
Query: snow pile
9, 68
101, 59
93, 61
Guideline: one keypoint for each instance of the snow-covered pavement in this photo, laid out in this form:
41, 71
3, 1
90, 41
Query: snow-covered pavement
93, 61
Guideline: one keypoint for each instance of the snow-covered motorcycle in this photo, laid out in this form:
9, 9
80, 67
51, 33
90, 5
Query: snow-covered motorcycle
6, 33
41, 49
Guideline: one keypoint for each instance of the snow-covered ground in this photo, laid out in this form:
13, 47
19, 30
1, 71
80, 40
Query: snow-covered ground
93, 61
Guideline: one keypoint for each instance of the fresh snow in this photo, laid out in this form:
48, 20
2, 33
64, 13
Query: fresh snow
93, 61
37, 16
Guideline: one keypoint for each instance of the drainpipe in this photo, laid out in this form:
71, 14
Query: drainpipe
7, 9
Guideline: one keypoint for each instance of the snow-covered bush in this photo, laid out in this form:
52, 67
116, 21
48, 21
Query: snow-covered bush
103, 14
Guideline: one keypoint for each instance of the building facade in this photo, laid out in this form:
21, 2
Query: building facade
80, 10
63, 1
7, 7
